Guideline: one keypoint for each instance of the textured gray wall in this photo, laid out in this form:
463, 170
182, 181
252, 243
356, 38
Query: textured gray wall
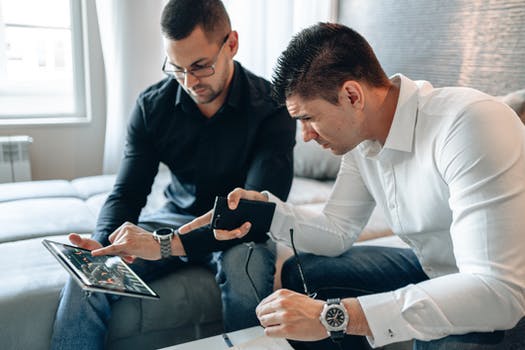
478, 43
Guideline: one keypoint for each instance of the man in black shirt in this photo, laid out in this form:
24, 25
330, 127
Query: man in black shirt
214, 125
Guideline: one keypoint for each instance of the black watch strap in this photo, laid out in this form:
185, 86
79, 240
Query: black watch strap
338, 336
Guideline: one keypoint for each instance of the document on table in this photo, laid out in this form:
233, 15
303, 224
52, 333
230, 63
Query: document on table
264, 343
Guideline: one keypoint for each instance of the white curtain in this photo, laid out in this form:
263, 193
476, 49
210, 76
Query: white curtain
133, 54
266, 26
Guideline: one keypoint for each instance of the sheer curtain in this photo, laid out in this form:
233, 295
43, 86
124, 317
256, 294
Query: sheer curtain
133, 54
266, 26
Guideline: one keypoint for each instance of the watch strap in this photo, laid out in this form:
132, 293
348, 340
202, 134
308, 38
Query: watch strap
164, 240
333, 301
165, 248
338, 336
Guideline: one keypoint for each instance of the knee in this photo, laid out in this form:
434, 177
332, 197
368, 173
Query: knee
260, 262
290, 278
234, 268
232, 263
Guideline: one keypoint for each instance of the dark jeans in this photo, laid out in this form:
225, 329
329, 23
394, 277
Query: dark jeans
366, 270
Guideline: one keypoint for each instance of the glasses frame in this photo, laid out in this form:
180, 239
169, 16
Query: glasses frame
182, 73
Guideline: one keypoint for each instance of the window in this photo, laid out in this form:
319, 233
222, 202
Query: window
41, 70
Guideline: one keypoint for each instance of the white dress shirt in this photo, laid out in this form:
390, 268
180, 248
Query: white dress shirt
450, 179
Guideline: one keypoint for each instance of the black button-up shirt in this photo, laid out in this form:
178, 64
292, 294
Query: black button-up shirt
247, 143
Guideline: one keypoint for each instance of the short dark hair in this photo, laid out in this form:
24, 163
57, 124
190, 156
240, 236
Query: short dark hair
180, 17
319, 59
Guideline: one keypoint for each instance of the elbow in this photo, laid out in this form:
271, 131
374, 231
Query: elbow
334, 250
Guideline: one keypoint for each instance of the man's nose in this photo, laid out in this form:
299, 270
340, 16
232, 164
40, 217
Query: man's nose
308, 132
190, 80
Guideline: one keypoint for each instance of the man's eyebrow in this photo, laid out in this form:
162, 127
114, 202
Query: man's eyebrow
197, 62
300, 117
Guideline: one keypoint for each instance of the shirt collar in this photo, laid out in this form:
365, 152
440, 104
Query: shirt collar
233, 98
401, 134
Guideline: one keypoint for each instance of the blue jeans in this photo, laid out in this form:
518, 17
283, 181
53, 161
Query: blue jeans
81, 320
366, 270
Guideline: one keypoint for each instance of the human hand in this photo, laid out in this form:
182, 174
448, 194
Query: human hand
291, 315
233, 201
85, 243
131, 241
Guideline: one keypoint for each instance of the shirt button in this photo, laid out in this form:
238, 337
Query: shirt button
392, 205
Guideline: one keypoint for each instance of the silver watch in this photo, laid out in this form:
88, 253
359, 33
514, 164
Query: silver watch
164, 236
334, 318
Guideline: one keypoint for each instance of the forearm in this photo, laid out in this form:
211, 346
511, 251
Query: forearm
272, 172
338, 234
358, 324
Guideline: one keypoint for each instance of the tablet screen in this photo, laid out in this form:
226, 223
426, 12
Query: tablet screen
99, 273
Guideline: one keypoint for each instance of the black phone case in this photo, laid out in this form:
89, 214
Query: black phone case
258, 213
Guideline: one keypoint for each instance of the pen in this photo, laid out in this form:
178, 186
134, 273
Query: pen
227, 340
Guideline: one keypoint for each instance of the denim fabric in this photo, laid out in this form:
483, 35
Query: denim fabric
82, 318
239, 298
368, 269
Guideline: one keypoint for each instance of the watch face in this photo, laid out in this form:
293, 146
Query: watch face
335, 317
164, 231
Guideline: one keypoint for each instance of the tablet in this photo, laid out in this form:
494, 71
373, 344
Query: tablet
107, 274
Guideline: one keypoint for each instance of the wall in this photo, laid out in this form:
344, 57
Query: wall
480, 44
72, 150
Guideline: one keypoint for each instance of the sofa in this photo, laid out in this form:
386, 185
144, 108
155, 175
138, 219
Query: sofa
189, 308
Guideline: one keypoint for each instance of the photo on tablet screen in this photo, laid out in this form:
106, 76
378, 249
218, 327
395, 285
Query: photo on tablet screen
107, 274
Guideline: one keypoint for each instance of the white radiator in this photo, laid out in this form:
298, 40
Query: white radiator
14, 158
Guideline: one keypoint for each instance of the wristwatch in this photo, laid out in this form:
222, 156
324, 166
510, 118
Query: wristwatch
335, 319
164, 235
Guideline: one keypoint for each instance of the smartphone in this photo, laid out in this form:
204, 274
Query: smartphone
258, 213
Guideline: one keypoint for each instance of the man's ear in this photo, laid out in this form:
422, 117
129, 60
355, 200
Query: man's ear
233, 42
352, 92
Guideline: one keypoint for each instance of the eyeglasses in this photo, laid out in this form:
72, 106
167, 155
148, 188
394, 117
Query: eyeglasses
251, 246
198, 71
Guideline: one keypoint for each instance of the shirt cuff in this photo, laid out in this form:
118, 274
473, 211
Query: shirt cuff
278, 220
384, 319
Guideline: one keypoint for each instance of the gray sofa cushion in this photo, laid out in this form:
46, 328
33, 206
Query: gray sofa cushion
28, 218
92, 185
37, 189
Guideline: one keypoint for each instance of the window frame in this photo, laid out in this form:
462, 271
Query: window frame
80, 78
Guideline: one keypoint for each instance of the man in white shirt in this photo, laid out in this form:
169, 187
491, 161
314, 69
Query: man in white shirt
447, 166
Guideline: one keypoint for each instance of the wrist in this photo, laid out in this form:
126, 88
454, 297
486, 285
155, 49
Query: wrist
358, 324
177, 248
156, 254
265, 196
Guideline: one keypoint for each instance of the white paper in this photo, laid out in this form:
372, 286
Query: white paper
264, 343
